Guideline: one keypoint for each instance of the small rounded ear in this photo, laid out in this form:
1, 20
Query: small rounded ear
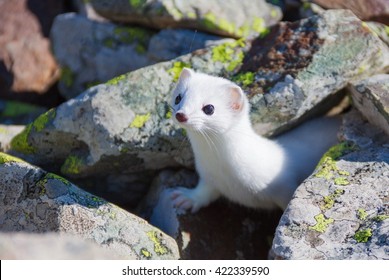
236, 98
185, 75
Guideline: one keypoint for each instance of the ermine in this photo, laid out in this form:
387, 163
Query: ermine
232, 160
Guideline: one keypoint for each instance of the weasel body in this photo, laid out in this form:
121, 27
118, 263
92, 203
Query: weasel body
231, 159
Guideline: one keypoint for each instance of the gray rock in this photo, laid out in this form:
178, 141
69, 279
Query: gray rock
229, 17
33, 200
370, 97
91, 52
221, 230
85, 8
125, 125
341, 211
50, 246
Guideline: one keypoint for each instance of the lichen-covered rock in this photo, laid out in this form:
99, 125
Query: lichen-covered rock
50, 246
221, 230
235, 18
125, 125
7, 133
341, 211
374, 10
370, 97
33, 200
91, 52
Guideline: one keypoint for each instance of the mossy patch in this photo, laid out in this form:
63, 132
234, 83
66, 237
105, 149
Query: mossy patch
67, 76
380, 218
137, 3
4, 158
362, 214
116, 80
244, 79
229, 54
329, 200
140, 120
132, 35
52, 176
259, 26
363, 235
20, 142
72, 165
176, 70
322, 223
41, 122
145, 253
159, 247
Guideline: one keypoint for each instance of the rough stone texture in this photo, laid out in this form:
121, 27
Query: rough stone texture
221, 230
342, 210
374, 10
26, 62
125, 125
91, 52
50, 246
235, 18
33, 200
370, 97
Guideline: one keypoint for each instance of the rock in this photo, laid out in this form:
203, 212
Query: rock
370, 97
49, 246
373, 10
33, 200
233, 18
85, 9
7, 133
125, 125
91, 52
221, 230
26, 62
341, 211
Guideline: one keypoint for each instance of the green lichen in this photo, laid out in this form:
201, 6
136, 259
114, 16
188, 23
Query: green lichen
145, 253
362, 214
130, 35
20, 142
159, 247
14, 109
140, 120
362, 236
245, 79
136, 3
168, 114
4, 158
67, 76
52, 176
191, 15
109, 43
273, 13
175, 71
91, 84
116, 80
380, 218
386, 30
41, 122
209, 21
321, 223
329, 200
3, 130
72, 165
228, 54
341, 181
259, 26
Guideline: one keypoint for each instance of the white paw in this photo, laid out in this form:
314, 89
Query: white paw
184, 200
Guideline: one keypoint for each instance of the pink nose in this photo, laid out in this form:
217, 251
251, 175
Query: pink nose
181, 117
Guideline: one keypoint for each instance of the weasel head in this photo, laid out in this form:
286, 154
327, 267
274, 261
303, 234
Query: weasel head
208, 104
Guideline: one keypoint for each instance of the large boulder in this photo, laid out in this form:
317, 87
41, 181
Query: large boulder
125, 125
91, 52
33, 200
341, 211
235, 18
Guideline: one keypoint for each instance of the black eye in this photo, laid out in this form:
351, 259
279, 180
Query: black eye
178, 99
208, 109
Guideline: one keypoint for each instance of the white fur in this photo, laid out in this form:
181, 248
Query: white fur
231, 159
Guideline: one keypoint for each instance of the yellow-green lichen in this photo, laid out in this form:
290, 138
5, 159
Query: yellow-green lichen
191, 15
321, 223
67, 76
136, 3
3, 130
41, 122
116, 80
245, 79
386, 30
363, 235
72, 165
168, 114
145, 253
341, 181
175, 71
380, 218
159, 247
130, 35
209, 21
14, 109
329, 200
259, 26
362, 214
228, 54
273, 13
4, 158
52, 176
20, 142
140, 120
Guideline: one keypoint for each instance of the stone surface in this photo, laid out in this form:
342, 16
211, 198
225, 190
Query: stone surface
374, 10
91, 52
50, 246
7, 133
235, 18
33, 200
125, 125
26, 62
221, 230
370, 97
341, 211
